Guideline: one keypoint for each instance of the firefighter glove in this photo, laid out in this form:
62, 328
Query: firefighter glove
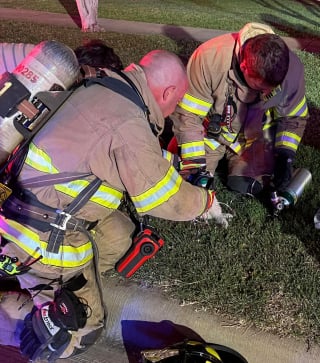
215, 213
283, 169
46, 332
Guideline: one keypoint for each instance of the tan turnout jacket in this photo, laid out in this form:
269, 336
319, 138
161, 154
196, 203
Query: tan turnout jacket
212, 68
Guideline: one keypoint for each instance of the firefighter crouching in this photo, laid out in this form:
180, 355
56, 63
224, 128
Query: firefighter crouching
246, 102
64, 207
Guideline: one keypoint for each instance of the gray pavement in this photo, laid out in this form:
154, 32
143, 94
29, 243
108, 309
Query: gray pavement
140, 317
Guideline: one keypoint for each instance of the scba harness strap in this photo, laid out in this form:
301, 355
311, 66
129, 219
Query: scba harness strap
24, 207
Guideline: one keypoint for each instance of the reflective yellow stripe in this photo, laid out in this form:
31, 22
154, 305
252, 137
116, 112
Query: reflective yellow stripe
105, 196
193, 149
39, 160
249, 142
236, 147
287, 139
212, 143
167, 155
230, 137
195, 105
267, 125
28, 241
160, 193
301, 109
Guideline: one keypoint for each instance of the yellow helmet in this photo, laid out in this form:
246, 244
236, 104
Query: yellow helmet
191, 351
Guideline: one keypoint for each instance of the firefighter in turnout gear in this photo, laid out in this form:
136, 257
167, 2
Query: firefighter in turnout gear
101, 143
246, 102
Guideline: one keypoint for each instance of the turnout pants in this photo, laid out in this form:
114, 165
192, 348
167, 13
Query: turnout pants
113, 239
253, 166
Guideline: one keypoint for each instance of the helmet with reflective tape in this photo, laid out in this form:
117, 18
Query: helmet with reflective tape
192, 352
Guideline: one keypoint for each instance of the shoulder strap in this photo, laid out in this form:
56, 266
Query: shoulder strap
129, 91
49, 179
119, 87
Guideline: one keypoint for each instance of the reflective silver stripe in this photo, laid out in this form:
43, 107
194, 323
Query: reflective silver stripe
192, 149
28, 241
159, 193
195, 105
287, 139
212, 143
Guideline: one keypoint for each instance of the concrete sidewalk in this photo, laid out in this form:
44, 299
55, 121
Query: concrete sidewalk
143, 318
132, 27
139, 317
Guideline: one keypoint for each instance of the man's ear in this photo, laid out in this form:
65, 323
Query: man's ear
243, 66
168, 92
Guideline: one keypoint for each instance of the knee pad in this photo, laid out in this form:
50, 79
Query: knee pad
244, 185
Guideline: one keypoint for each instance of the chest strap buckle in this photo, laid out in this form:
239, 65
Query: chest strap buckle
62, 220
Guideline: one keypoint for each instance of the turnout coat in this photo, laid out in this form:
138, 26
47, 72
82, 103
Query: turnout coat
278, 119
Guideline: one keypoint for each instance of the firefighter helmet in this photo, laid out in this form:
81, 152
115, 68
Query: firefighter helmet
192, 352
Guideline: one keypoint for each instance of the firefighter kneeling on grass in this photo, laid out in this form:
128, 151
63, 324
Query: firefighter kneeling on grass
101, 143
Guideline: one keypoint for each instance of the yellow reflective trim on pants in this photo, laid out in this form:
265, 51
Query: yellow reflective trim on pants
287, 139
28, 241
195, 105
287, 144
160, 193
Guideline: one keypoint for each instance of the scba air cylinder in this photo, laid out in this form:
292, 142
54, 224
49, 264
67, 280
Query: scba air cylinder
50, 66
300, 179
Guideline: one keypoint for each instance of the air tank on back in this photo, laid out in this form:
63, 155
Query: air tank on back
49, 66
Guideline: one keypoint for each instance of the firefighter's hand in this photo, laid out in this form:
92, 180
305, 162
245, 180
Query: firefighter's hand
47, 329
215, 213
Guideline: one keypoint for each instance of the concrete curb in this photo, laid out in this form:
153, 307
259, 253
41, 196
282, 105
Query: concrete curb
141, 318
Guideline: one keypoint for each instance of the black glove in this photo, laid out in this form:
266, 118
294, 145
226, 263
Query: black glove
283, 169
214, 126
46, 329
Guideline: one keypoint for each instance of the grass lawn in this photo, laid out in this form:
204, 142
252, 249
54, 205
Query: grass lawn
261, 270
289, 17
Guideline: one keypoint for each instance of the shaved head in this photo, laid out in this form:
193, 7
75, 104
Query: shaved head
166, 77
